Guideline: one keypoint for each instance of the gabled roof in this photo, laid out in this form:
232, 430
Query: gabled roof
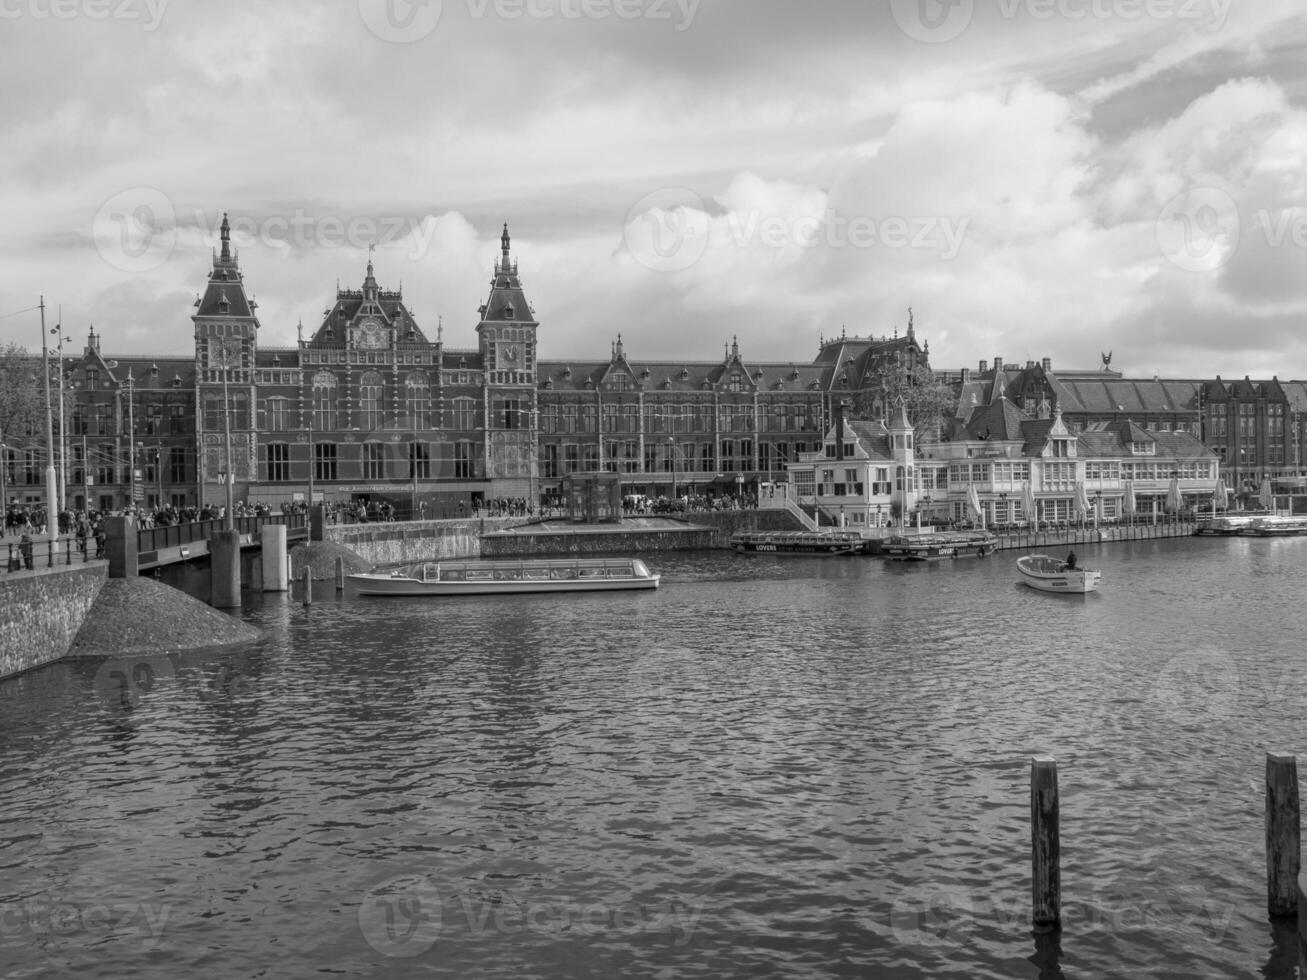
353, 305
999, 420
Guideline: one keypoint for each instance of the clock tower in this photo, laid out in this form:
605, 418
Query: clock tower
226, 331
507, 340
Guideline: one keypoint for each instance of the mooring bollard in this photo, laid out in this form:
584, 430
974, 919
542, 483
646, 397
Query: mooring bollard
308, 586
340, 574
1283, 855
1045, 844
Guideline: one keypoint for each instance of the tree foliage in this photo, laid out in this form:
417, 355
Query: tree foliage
929, 403
22, 400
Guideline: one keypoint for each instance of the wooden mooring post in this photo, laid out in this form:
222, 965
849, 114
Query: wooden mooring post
1045, 844
308, 586
1283, 848
340, 574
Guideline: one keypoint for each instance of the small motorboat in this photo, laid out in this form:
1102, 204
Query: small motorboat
1049, 574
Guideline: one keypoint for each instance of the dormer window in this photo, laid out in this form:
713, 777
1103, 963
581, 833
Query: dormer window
1143, 448
736, 383
685, 374
617, 381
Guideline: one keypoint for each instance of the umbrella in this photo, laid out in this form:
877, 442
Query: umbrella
973, 501
1081, 501
1028, 502
1268, 501
1128, 504
1174, 501
1220, 494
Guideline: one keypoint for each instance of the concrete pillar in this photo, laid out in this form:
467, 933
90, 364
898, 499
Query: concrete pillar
276, 563
120, 543
225, 569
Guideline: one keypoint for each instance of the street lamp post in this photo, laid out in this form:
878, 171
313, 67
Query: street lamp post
229, 523
131, 439
671, 451
58, 328
51, 488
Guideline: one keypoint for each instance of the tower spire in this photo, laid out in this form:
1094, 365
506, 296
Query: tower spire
225, 234
504, 242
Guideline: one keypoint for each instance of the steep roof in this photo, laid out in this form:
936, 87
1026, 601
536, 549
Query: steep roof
224, 294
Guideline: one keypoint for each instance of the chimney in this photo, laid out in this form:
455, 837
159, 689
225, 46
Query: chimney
1030, 365
984, 366
1047, 363
998, 364
966, 374
839, 431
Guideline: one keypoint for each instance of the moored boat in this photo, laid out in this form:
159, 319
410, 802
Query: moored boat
444, 578
1275, 526
1225, 526
933, 546
818, 543
1049, 574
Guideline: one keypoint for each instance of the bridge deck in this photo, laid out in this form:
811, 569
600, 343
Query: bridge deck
157, 546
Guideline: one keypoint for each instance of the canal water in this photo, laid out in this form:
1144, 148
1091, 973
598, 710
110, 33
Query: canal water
770, 767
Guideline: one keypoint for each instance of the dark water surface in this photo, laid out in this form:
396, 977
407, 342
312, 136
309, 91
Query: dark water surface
770, 767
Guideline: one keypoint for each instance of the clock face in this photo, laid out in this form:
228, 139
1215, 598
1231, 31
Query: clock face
224, 352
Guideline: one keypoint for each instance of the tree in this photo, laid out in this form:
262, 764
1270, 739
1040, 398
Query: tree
22, 409
929, 403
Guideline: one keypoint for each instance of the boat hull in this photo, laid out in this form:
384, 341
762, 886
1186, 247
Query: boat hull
1048, 574
938, 547
816, 544
509, 578
368, 585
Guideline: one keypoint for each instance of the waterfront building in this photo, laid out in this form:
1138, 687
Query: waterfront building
1257, 429
1014, 467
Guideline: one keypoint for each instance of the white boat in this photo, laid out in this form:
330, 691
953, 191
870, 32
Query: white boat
1272, 526
1226, 526
445, 578
1049, 574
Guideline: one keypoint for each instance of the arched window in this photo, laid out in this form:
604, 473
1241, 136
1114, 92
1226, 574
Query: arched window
371, 393
326, 401
374, 460
419, 400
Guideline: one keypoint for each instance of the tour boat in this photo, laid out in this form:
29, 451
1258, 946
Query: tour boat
1049, 574
1273, 526
1226, 526
799, 542
933, 546
509, 577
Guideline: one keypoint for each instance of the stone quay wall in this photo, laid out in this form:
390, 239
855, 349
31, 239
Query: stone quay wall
41, 613
413, 541
701, 530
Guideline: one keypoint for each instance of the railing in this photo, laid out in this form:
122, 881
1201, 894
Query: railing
43, 553
174, 535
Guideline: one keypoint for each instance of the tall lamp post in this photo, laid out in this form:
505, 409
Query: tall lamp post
229, 523
51, 485
58, 328
671, 450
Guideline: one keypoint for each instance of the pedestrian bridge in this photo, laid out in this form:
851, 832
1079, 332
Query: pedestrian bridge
159, 546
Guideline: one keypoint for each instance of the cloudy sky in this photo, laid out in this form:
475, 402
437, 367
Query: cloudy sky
1033, 177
